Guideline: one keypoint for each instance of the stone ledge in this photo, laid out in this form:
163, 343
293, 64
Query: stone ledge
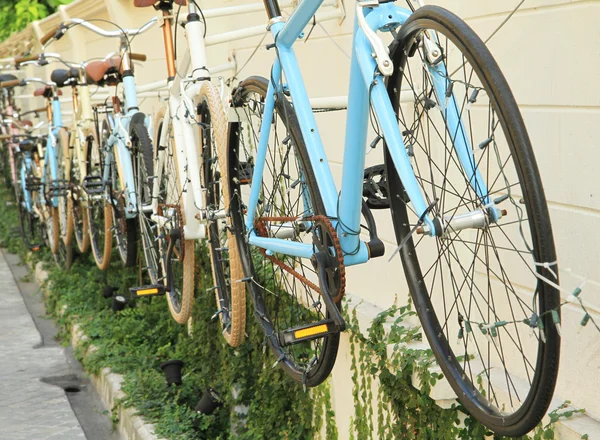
107, 384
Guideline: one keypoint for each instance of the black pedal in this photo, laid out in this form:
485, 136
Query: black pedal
33, 183
155, 290
93, 185
307, 332
58, 188
245, 172
375, 189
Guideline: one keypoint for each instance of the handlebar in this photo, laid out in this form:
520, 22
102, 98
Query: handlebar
60, 30
54, 33
138, 56
20, 60
14, 82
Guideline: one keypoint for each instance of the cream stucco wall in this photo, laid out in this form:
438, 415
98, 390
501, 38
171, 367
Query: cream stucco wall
550, 54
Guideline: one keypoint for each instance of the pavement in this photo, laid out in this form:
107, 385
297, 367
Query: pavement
43, 390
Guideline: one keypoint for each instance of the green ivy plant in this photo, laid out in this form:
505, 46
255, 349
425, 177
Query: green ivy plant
135, 341
402, 410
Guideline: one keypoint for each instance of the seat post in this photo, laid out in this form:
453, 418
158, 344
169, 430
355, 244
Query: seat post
168, 38
272, 7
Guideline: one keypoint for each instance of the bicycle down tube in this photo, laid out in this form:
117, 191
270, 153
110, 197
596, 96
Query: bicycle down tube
367, 84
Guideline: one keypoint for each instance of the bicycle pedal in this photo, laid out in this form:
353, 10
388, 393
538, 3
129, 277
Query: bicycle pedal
33, 183
154, 290
375, 189
93, 185
58, 188
307, 332
245, 172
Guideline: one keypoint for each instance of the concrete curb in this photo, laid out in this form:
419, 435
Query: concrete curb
107, 384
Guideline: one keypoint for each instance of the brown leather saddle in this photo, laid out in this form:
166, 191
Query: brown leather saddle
105, 72
146, 3
46, 92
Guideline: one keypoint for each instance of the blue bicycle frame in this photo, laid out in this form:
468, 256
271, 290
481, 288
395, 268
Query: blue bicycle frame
50, 161
365, 79
119, 142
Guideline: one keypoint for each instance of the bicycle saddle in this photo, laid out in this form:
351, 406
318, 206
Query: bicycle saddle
105, 71
46, 92
146, 3
64, 77
7, 77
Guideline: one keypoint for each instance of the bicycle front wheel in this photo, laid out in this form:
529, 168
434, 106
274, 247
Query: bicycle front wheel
226, 265
176, 254
284, 288
475, 284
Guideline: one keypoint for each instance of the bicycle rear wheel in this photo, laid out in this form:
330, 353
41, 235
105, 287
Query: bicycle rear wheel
284, 298
476, 289
226, 265
144, 164
125, 229
99, 215
176, 254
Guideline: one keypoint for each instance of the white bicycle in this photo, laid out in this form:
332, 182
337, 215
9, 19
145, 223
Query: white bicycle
184, 200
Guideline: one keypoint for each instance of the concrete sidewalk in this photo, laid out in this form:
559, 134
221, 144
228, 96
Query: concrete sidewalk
29, 408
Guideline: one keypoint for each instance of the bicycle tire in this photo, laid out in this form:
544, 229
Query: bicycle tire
225, 261
489, 406
124, 229
144, 154
99, 215
78, 199
178, 273
309, 362
50, 212
65, 215
30, 226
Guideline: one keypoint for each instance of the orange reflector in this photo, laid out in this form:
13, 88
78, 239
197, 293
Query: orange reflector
35, 248
147, 291
311, 331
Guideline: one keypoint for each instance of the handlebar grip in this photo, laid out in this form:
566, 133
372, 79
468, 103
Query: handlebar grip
49, 35
4, 137
32, 57
138, 56
14, 82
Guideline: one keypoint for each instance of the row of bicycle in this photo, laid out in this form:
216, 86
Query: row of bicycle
255, 182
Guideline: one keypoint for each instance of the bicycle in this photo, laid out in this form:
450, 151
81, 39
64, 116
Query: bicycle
109, 181
455, 149
186, 198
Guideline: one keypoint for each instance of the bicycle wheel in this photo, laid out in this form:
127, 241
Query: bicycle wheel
283, 287
125, 229
77, 201
476, 288
226, 265
65, 215
176, 254
50, 212
30, 225
99, 213
144, 164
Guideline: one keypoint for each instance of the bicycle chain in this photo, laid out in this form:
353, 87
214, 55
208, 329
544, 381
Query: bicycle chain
261, 229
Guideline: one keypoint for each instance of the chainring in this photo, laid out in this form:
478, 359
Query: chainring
324, 238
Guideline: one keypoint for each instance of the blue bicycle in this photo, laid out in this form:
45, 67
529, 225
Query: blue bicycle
459, 178
42, 189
